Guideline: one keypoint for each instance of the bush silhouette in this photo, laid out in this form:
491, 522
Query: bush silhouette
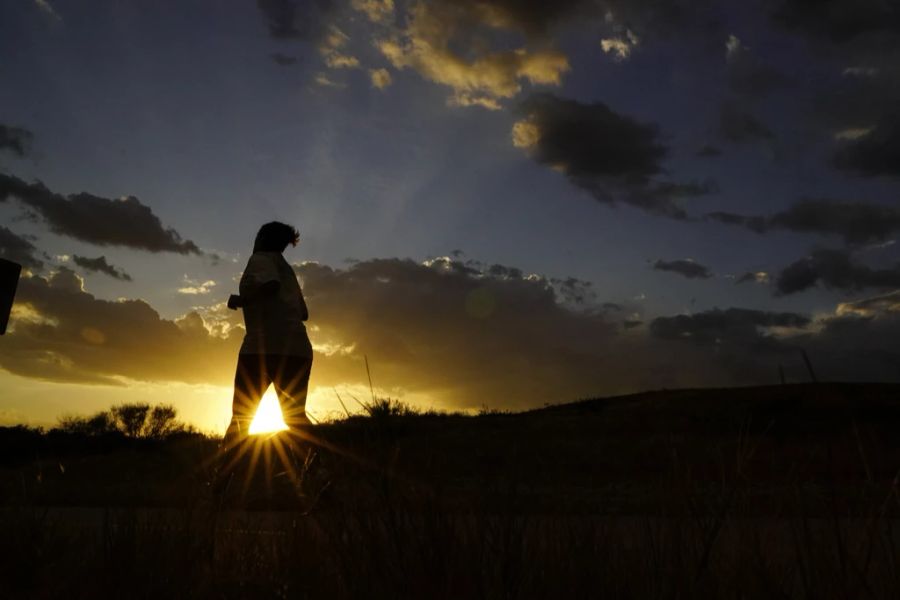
133, 420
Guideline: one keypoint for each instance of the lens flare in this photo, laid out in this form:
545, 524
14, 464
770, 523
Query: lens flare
268, 417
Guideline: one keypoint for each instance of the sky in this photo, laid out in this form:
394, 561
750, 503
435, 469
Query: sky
502, 204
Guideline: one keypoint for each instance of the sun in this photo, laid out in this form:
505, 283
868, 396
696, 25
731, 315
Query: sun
268, 418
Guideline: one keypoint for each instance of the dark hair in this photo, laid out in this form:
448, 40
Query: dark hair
274, 237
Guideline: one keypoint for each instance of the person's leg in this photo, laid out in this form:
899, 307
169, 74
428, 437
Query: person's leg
251, 379
291, 379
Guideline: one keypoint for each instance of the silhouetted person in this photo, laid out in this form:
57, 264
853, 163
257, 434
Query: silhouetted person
276, 349
9, 278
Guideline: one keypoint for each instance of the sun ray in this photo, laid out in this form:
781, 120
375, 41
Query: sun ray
268, 417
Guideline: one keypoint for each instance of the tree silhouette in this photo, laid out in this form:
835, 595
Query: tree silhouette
134, 420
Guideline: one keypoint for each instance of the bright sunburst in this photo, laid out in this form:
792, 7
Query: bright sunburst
268, 416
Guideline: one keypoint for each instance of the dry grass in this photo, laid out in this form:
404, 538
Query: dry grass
595, 500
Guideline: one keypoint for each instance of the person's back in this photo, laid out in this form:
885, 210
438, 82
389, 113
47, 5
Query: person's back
274, 324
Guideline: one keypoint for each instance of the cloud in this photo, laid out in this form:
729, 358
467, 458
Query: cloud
296, 19
60, 332
193, 287
760, 277
876, 152
838, 21
748, 345
859, 40
101, 221
834, 269
99, 265
856, 222
685, 267
331, 50
48, 10
18, 249
482, 75
613, 156
381, 78
15, 139
739, 126
322, 80
748, 75
854, 347
620, 47
378, 11
871, 307
283, 60
442, 329
746, 328
468, 334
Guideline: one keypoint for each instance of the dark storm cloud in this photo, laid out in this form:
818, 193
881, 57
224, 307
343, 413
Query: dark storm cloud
876, 153
495, 336
69, 335
100, 221
538, 17
99, 265
860, 345
465, 339
760, 277
838, 20
684, 267
613, 156
295, 19
861, 41
749, 345
15, 139
834, 269
591, 140
856, 222
18, 249
754, 223
739, 126
534, 17
733, 326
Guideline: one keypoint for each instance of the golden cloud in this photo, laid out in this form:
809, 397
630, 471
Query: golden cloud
481, 77
381, 78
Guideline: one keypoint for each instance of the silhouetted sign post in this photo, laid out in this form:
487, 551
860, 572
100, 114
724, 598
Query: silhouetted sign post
9, 279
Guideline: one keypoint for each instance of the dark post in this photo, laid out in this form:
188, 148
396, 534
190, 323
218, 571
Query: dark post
812, 374
9, 279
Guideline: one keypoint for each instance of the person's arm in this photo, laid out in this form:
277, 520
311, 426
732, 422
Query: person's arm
267, 290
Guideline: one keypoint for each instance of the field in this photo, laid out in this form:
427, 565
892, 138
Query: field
787, 491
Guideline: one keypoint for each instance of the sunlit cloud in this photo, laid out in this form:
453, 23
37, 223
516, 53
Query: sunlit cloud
194, 287
322, 80
381, 78
483, 77
376, 10
331, 52
853, 133
48, 10
620, 47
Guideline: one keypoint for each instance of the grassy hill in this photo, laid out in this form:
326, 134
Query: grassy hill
787, 491
605, 455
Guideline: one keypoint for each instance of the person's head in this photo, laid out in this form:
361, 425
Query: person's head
275, 237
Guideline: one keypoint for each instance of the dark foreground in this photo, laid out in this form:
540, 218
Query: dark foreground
788, 491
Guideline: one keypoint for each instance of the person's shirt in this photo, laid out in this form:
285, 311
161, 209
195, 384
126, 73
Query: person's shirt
274, 324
